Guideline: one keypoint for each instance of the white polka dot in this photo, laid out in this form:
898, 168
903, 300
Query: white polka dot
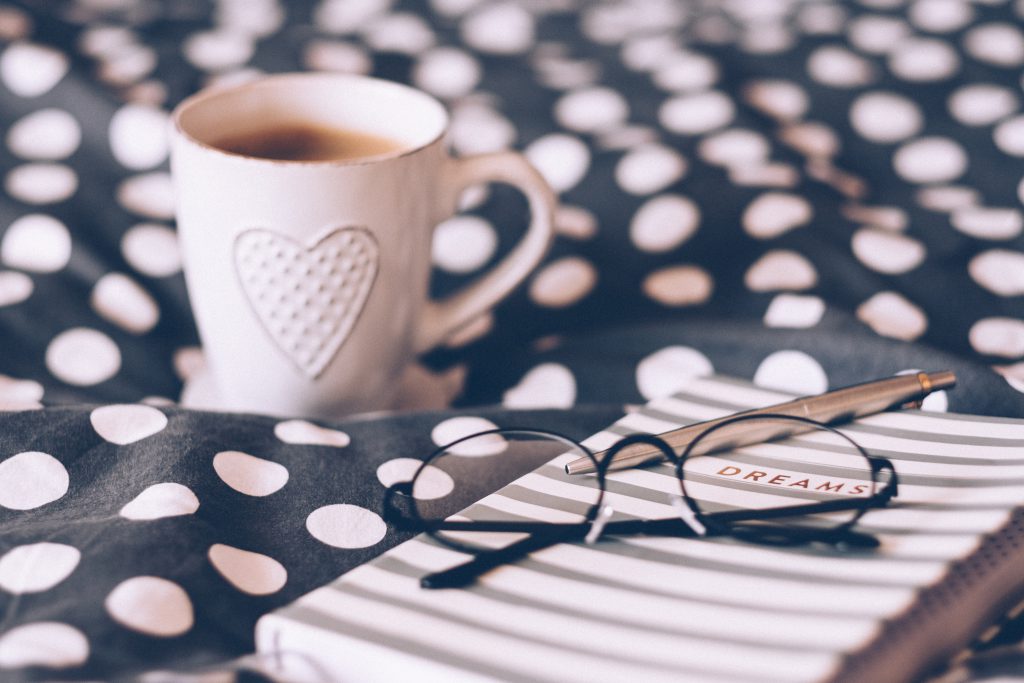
260, 18
447, 72
346, 16
83, 357
43, 643
138, 136
37, 567
151, 605
887, 252
591, 110
838, 67
685, 71
781, 100
455, 428
31, 479
41, 183
575, 222
123, 302
982, 104
698, 113
1009, 136
646, 53
885, 117
399, 32
504, 29
148, 194
128, 65
152, 249
770, 37
562, 160
463, 244
548, 385
663, 223
780, 270
13, 391
478, 129
248, 474
14, 288
14, 23
792, 371
337, 56
45, 135
891, 315
948, 198
31, 70
765, 175
736, 147
876, 34
649, 168
923, 59
820, 19
232, 78
890, 218
432, 483
679, 285
999, 270
346, 526
309, 434
249, 572
812, 139
670, 369
557, 72
998, 336
218, 50
102, 39
127, 423
794, 311
37, 243
940, 16
563, 282
627, 137
775, 213
930, 160
166, 499
189, 362
988, 223
453, 8
999, 44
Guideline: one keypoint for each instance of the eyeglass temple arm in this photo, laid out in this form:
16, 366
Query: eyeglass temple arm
466, 573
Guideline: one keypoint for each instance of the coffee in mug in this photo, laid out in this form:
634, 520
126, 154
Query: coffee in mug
306, 204
307, 142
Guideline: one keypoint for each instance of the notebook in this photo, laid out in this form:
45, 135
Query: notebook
709, 610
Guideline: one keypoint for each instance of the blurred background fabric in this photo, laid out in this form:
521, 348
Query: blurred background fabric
806, 194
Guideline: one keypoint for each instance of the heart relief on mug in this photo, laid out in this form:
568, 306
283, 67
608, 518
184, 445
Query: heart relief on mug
306, 208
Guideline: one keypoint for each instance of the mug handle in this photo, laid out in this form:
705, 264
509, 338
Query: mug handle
441, 318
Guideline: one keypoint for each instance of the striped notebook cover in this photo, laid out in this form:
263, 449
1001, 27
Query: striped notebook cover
669, 609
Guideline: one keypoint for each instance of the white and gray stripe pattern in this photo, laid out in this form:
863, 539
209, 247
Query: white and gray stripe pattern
648, 608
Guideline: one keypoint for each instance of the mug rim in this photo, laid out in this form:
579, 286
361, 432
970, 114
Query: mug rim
276, 80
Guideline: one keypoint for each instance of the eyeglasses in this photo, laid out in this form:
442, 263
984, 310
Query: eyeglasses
810, 490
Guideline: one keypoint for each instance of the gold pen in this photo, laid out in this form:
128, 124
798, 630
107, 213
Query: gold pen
836, 406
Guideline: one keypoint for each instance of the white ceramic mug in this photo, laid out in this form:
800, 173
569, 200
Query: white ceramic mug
309, 279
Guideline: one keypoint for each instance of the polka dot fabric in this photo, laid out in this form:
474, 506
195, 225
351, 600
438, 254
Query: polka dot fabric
800, 193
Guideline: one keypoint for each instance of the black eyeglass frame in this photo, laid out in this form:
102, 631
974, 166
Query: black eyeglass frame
701, 523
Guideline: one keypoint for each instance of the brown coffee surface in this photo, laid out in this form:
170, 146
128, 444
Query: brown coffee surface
307, 142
